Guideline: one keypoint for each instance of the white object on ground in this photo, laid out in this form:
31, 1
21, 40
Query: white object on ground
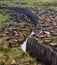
23, 46
47, 33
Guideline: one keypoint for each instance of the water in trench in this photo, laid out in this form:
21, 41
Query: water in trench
23, 46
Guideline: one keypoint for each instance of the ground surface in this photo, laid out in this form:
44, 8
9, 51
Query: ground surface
46, 30
16, 27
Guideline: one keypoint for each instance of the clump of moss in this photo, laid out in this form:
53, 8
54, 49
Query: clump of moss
2, 63
7, 50
55, 40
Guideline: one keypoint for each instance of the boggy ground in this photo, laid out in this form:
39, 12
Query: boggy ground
46, 29
44, 41
14, 29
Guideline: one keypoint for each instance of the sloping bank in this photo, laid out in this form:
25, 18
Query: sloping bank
41, 52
